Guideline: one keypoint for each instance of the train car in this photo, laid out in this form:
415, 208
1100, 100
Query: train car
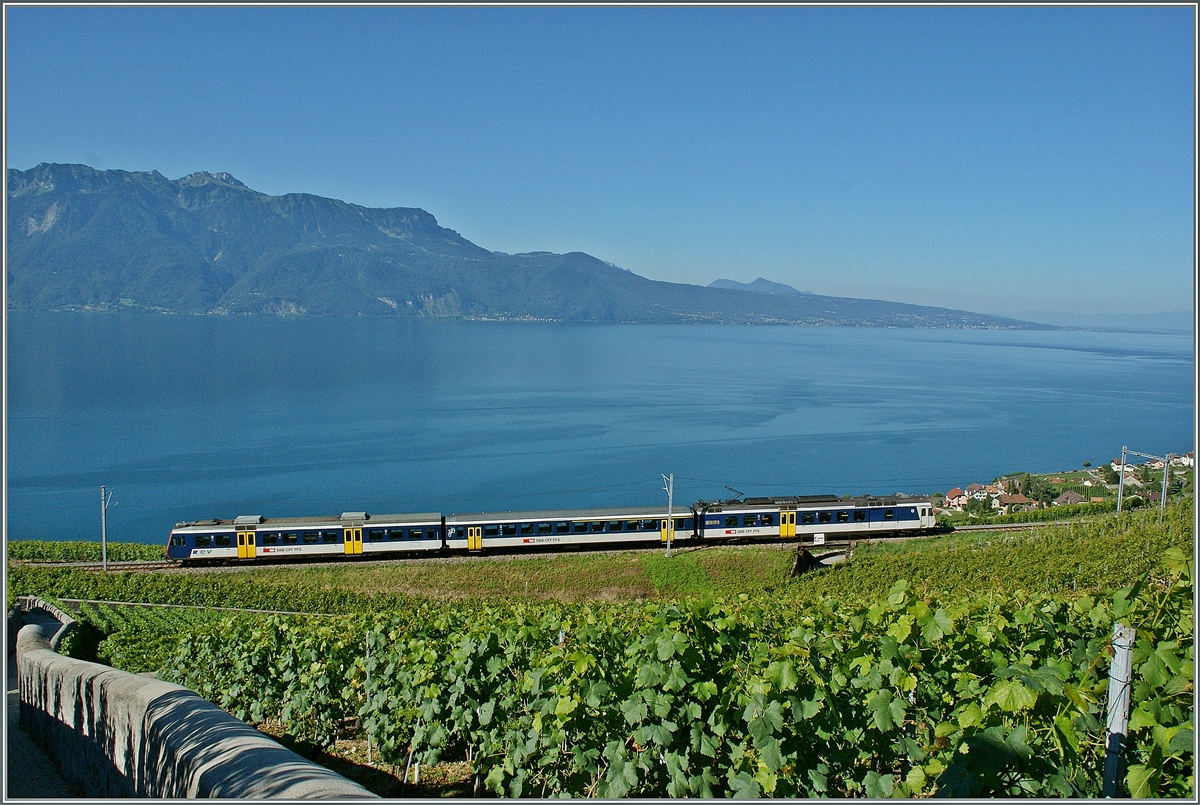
628, 526
817, 517
353, 533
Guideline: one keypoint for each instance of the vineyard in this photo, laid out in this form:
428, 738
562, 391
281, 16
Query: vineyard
133, 638
50, 551
965, 667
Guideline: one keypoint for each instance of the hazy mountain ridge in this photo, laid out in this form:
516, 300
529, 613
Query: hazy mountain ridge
759, 285
80, 238
1166, 321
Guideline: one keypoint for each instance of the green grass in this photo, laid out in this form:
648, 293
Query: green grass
708, 571
615, 576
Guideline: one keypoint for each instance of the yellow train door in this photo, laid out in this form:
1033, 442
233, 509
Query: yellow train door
245, 545
662, 529
474, 538
787, 525
353, 541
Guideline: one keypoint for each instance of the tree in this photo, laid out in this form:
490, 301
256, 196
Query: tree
978, 506
1087, 463
1040, 491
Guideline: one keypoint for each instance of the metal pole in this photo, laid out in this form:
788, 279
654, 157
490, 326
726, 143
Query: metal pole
1118, 706
1121, 481
669, 486
367, 691
103, 529
1162, 506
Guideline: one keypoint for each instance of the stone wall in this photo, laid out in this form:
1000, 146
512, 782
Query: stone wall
116, 734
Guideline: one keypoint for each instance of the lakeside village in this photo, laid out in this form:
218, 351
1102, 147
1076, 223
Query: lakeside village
1021, 492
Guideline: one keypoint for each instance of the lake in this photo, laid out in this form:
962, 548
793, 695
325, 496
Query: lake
191, 417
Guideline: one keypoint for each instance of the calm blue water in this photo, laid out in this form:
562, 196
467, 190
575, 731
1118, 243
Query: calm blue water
196, 417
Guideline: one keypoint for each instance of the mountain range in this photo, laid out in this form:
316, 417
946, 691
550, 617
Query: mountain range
82, 238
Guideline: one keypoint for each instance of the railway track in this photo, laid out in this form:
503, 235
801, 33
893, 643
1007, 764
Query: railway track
143, 566
1007, 526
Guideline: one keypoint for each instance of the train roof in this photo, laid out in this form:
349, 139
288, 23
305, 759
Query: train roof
630, 512
319, 521
810, 501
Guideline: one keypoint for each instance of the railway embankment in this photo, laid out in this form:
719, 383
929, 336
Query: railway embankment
115, 734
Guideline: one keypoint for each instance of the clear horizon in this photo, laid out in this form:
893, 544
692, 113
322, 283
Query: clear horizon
997, 159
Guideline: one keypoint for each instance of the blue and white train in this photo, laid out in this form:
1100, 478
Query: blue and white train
811, 520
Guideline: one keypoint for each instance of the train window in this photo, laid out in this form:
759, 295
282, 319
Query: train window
631, 525
615, 525
491, 530
581, 528
859, 516
543, 528
373, 534
889, 514
824, 517
270, 539
843, 517
290, 537
750, 520
806, 518
395, 533
223, 540
177, 539
562, 528
731, 521
650, 525
683, 524
331, 536
526, 528
203, 540
419, 533
768, 519
311, 537
509, 530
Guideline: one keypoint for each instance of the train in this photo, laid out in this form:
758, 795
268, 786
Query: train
810, 519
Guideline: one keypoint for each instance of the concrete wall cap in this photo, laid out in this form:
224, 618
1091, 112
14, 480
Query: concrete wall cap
121, 734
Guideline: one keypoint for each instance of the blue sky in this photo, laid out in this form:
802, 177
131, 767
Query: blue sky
992, 159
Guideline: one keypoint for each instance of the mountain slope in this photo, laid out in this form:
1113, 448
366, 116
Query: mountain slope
206, 243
